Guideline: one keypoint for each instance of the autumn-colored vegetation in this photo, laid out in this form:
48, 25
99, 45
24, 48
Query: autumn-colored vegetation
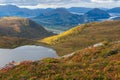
92, 63
84, 35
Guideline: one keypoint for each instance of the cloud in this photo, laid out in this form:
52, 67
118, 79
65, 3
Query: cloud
104, 1
62, 3
33, 2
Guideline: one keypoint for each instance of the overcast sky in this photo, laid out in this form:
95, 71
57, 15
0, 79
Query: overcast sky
62, 3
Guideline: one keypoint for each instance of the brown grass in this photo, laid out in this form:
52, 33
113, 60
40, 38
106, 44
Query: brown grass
91, 33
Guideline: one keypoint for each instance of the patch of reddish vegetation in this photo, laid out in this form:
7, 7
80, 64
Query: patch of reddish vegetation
5, 69
13, 64
26, 62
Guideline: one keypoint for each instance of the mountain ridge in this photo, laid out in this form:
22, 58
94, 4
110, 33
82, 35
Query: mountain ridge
61, 17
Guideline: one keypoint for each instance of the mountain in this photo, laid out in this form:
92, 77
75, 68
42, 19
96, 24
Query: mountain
6, 10
21, 27
12, 10
93, 63
96, 14
114, 10
59, 17
32, 12
84, 35
79, 9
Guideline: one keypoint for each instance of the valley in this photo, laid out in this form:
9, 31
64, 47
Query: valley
94, 52
60, 43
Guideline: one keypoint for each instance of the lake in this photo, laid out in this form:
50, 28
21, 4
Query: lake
25, 53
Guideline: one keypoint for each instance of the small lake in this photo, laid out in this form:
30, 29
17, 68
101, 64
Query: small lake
25, 53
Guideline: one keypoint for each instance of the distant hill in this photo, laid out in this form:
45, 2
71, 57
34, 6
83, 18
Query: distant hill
12, 10
84, 35
96, 14
114, 10
79, 9
21, 27
59, 17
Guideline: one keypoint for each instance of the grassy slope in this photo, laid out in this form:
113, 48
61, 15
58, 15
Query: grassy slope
83, 36
96, 63
12, 42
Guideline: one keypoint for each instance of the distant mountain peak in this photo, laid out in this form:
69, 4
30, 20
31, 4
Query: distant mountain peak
60, 10
97, 13
61, 17
97, 9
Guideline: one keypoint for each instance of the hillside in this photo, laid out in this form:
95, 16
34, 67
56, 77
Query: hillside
114, 10
97, 63
96, 14
21, 27
84, 35
13, 42
59, 17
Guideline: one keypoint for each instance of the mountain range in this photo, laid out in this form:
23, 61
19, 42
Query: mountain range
12, 10
8, 10
59, 17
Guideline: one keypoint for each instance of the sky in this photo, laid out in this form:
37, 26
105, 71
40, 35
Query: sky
62, 3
